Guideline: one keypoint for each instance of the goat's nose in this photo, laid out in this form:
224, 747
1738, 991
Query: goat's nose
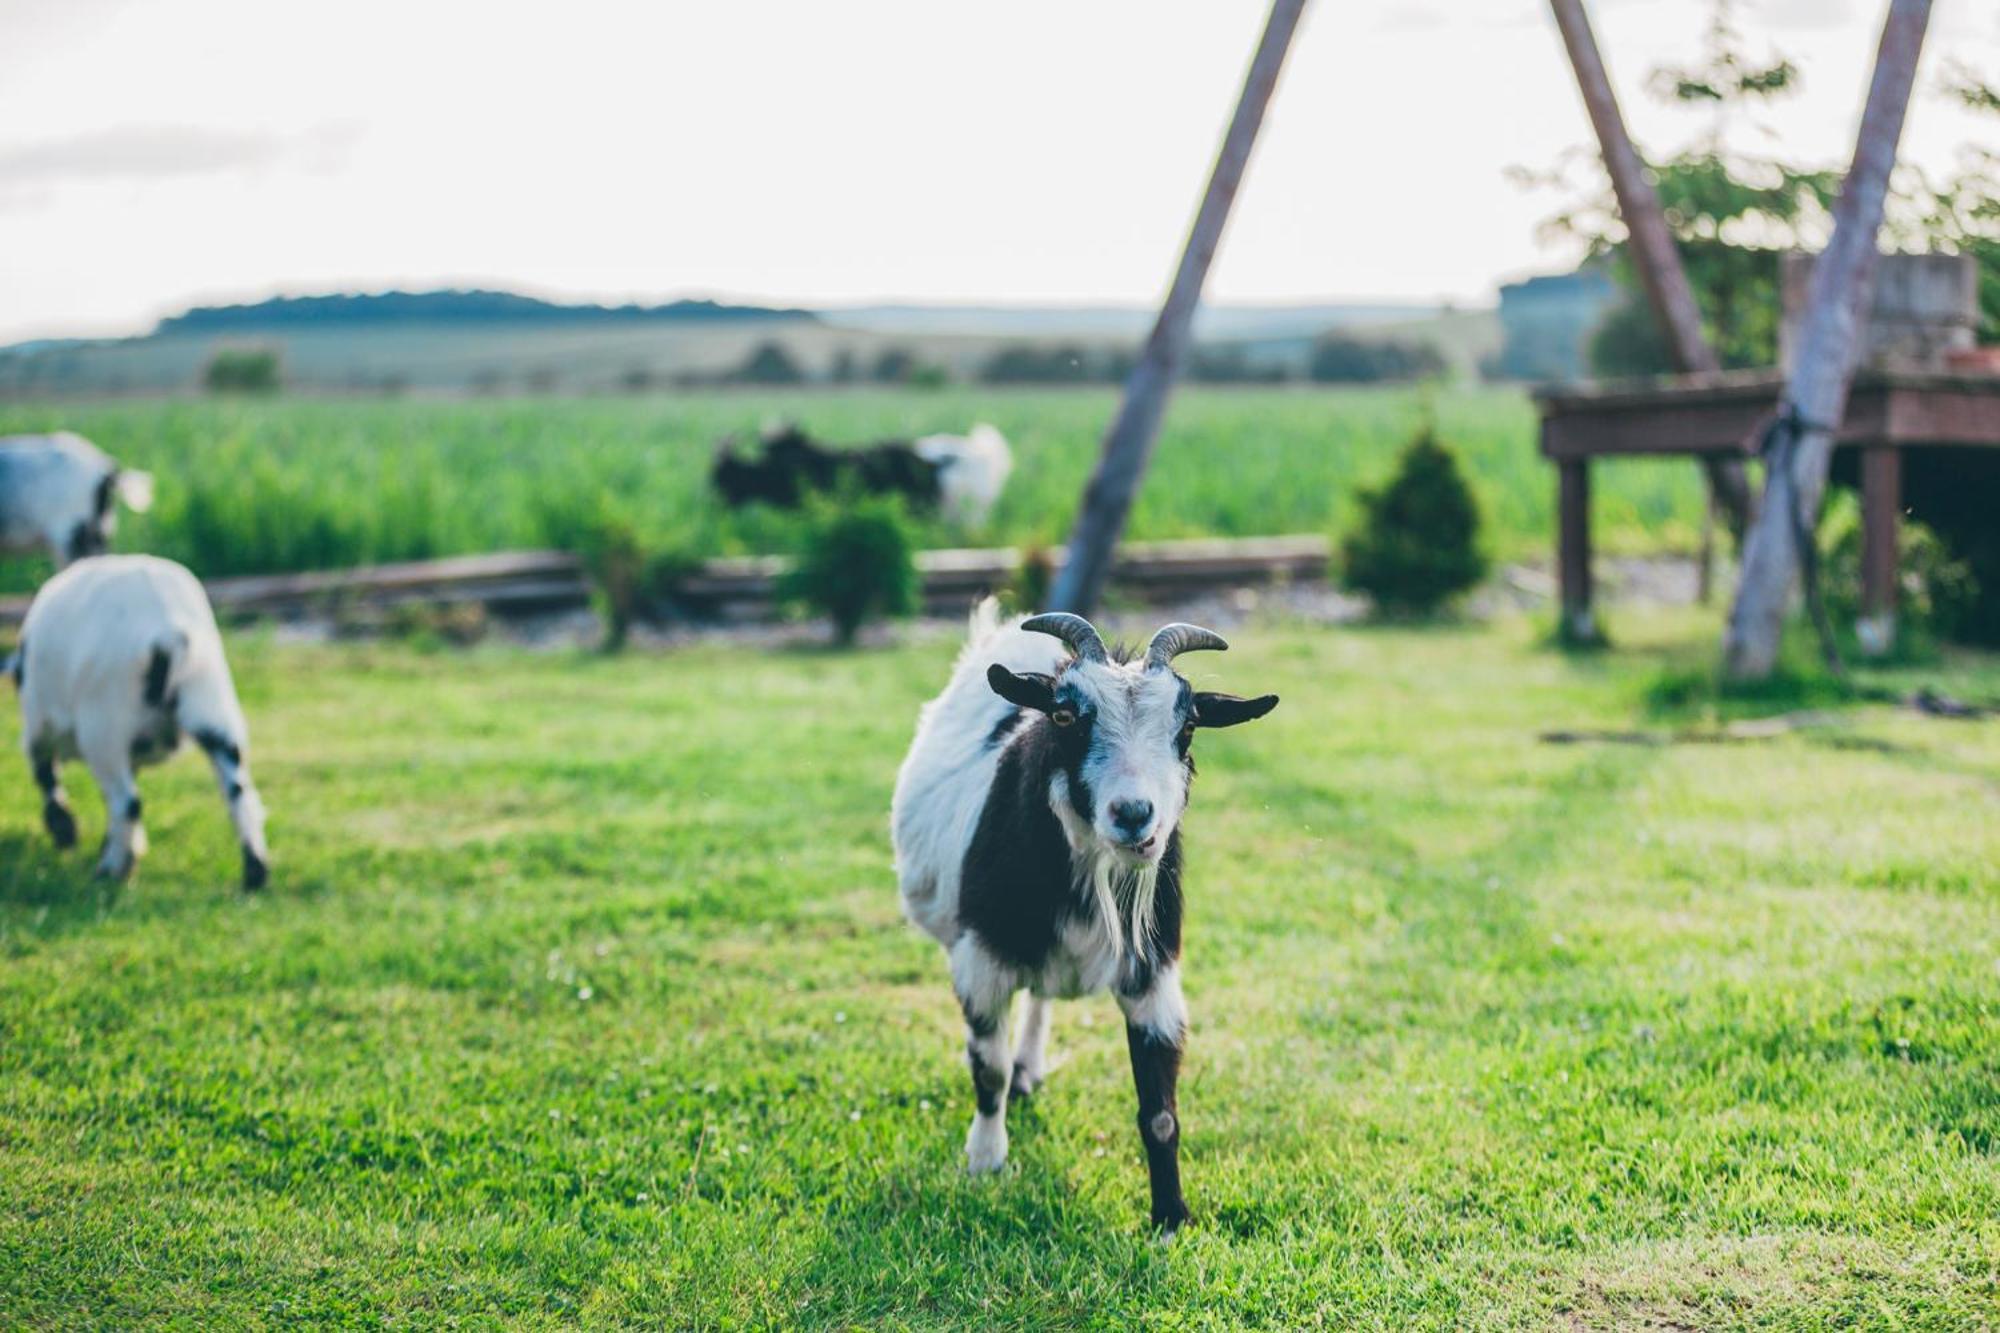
1131, 817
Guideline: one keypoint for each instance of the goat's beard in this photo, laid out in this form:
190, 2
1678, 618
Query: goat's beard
1119, 882
1122, 886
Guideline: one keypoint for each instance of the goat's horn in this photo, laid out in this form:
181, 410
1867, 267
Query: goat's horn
1177, 638
1078, 633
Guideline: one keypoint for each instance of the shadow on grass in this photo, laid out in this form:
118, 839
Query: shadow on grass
974, 1251
54, 890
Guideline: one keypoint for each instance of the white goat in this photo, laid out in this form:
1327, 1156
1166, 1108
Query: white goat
119, 657
972, 471
1037, 830
58, 491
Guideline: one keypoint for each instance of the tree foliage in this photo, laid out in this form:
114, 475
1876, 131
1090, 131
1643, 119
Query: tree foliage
242, 370
769, 363
1340, 359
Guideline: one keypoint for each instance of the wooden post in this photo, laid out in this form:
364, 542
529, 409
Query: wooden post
1881, 510
1128, 442
1829, 344
1650, 242
1579, 621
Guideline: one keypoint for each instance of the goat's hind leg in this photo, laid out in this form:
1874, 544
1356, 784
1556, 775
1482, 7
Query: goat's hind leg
124, 835
246, 807
1031, 1050
56, 814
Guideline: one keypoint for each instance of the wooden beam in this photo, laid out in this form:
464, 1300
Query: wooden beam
1579, 619
1650, 241
1828, 346
1881, 512
1128, 443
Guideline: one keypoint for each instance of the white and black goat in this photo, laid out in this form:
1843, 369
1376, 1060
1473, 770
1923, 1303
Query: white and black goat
60, 492
1037, 829
119, 658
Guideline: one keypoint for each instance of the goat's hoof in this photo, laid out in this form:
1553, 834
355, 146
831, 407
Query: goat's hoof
115, 869
985, 1149
256, 871
1169, 1218
61, 825
1023, 1085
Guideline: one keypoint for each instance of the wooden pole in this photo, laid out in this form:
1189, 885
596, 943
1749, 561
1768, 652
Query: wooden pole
1128, 442
1815, 396
1651, 242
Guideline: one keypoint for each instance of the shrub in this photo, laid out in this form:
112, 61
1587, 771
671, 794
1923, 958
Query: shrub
602, 535
1937, 593
1418, 543
242, 370
856, 562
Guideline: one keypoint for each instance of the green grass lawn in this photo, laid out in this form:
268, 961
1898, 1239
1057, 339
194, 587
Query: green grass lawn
259, 486
581, 997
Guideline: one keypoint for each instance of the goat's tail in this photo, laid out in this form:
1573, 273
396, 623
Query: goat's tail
984, 622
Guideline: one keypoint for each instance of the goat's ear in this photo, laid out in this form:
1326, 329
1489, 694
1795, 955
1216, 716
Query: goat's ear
1226, 710
1030, 689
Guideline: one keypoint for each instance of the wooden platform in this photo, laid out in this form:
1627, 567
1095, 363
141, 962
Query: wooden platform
740, 588
1888, 412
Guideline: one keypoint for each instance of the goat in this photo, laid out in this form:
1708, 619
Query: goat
972, 471
1036, 824
59, 491
960, 474
791, 466
119, 658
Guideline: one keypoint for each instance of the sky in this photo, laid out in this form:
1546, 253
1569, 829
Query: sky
155, 153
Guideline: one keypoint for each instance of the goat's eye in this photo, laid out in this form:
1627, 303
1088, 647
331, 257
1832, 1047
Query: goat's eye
1063, 717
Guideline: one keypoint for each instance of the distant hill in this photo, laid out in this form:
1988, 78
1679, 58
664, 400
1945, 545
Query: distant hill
282, 313
1230, 322
455, 342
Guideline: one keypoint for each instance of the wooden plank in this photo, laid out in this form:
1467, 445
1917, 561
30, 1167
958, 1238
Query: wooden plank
739, 586
1939, 410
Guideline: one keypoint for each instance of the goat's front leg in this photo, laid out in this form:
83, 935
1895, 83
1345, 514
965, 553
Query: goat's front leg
1155, 1028
985, 989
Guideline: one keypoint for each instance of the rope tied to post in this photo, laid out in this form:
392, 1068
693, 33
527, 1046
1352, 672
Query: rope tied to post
1778, 447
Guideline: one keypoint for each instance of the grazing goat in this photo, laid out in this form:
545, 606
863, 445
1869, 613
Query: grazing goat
59, 491
1037, 831
119, 658
962, 475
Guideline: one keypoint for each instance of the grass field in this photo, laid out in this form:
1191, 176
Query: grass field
580, 998
299, 484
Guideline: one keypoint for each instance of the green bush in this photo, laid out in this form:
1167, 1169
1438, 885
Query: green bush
856, 562
1418, 542
242, 370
